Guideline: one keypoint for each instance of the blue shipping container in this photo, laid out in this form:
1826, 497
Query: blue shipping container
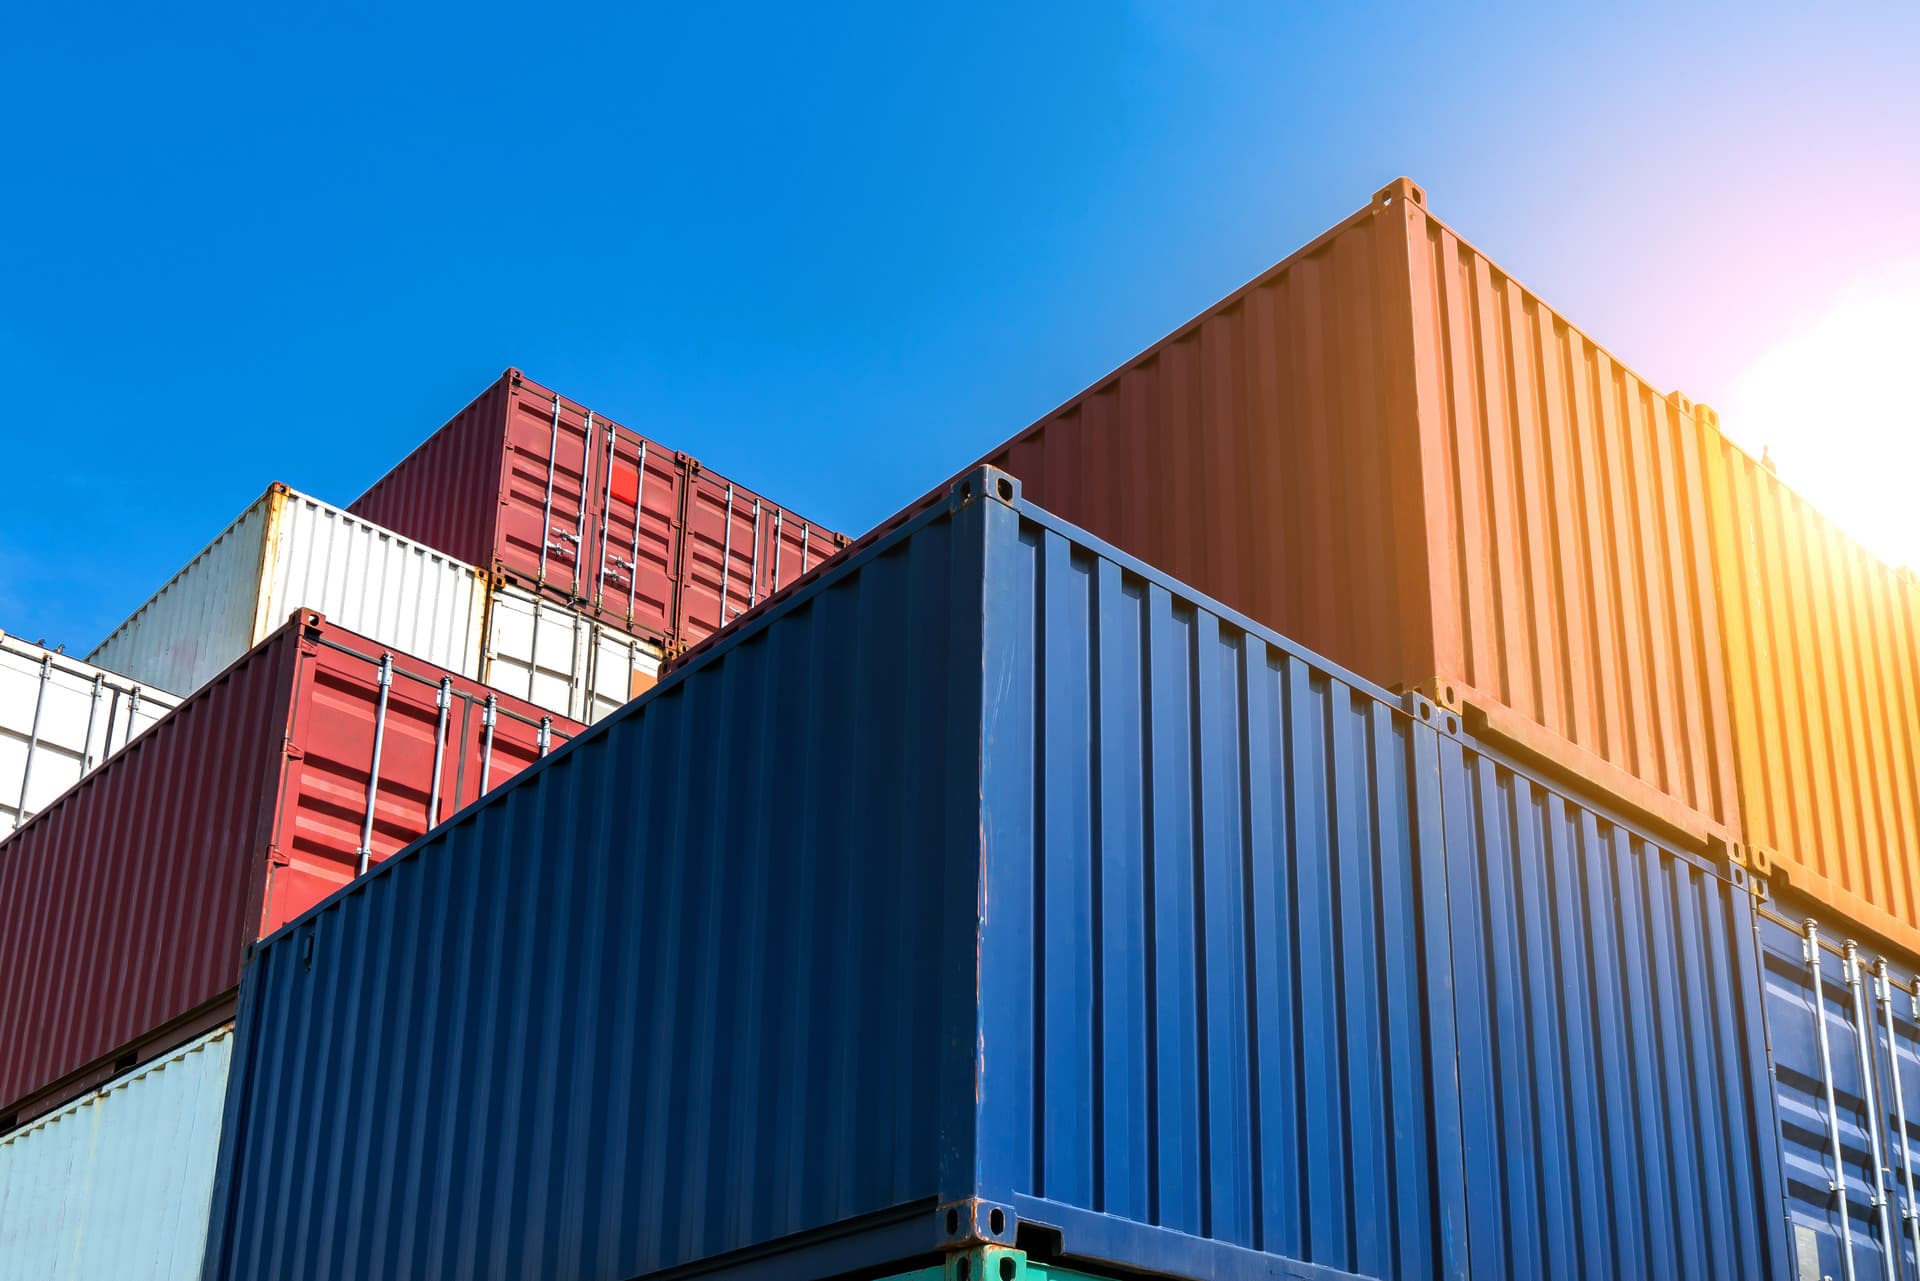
1847, 1092
1096, 920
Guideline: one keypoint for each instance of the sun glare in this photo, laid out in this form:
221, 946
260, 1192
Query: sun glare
1836, 406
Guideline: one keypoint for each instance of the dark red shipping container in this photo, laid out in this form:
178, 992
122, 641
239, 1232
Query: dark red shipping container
129, 902
574, 506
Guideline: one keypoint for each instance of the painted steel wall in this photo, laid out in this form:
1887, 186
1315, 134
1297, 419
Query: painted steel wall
289, 551
561, 659
1844, 1104
1823, 669
131, 899
1092, 901
581, 510
59, 718
116, 1186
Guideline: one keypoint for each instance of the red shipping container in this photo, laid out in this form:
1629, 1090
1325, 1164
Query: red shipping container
130, 901
565, 502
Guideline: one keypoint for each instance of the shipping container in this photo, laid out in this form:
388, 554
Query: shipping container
285, 552
1843, 1024
60, 717
1823, 670
290, 551
560, 658
576, 508
999, 890
131, 899
1390, 449
116, 1186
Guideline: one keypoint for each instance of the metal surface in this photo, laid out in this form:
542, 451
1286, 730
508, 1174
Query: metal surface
1823, 668
59, 718
1845, 1060
584, 511
562, 659
130, 900
998, 870
117, 1184
290, 551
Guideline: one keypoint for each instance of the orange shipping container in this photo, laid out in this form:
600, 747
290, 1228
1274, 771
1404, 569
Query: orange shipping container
1390, 449
1823, 672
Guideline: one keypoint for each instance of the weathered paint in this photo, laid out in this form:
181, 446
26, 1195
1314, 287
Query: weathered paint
997, 872
116, 1185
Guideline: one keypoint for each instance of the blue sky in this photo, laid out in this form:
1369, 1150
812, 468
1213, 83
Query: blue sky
834, 255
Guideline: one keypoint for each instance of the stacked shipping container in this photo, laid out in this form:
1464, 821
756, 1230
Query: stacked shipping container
58, 719
1208, 955
576, 508
131, 900
289, 551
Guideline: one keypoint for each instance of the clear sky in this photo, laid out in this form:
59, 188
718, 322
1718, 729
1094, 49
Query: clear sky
838, 255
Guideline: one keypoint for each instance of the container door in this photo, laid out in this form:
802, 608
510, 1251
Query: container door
725, 546
620, 668
636, 533
796, 545
1831, 1078
546, 513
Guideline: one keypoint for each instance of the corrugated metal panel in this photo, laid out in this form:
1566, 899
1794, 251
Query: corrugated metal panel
1392, 451
588, 513
1088, 905
130, 899
1612, 1068
59, 718
286, 552
1843, 1108
116, 1185
1823, 665
562, 659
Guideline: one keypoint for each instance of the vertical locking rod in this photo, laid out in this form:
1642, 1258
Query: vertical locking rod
444, 702
546, 513
1837, 1184
33, 735
1907, 1213
373, 770
1863, 1022
486, 746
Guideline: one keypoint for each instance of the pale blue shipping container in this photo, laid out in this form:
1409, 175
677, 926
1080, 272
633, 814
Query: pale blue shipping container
1094, 918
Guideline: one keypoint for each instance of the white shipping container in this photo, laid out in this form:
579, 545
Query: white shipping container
118, 1184
561, 659
291, 551
60, 717
286, 552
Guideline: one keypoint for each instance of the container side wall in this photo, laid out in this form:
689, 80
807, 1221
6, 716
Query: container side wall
1612, 1066
1208, 912
203, 619
1575, 523
561, 659
1823, 662
118, 1184
127, 898
374, 582
1264, 455
59, 718
446, 493
1858, 1066
747, 1021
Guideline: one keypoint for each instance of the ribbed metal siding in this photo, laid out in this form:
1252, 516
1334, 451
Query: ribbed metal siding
1823, 663
116, 1186
446, 493
1859, 1000
59, 718
1611, 1055
286, 552
1213, 962
743, 979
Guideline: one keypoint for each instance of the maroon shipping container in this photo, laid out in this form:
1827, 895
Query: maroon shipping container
576, 507
129, 902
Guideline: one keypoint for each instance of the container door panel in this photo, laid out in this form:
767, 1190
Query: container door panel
720, 557
795, 545
637, 540
1826, 1100
546, 511
1898, 1009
